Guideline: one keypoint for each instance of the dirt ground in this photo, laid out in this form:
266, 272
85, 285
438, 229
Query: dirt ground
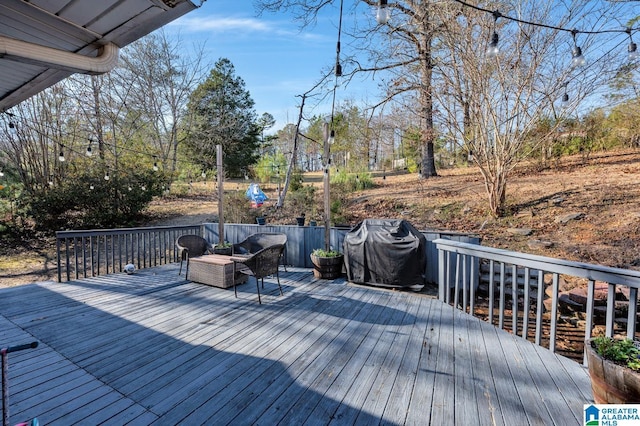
583, 210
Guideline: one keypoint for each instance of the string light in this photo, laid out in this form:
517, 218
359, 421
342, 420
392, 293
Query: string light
493, 50
155, 163
106, 175
564, 103
577, 60
633, 48
382, 14
577, 55
89, 153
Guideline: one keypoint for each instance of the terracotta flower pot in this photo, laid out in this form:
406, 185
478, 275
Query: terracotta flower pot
611, 383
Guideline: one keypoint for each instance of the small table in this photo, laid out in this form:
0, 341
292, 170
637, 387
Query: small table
215, 270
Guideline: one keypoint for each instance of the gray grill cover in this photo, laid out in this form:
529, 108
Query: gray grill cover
386, 252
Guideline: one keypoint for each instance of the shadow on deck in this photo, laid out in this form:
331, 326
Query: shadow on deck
154, 348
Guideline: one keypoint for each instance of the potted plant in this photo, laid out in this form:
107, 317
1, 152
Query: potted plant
300, 219
614, 368
224, 248
327, 264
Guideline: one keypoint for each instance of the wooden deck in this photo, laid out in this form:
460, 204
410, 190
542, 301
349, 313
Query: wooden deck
152, 348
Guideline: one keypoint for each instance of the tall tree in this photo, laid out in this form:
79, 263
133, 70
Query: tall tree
222, 113
163, 76
401, 48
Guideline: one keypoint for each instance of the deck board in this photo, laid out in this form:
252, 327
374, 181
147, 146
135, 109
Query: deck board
154, 348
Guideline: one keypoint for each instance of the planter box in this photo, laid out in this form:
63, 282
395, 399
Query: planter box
611, 383
215, 270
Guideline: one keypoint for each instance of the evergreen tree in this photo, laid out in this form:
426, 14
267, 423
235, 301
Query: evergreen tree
222, 113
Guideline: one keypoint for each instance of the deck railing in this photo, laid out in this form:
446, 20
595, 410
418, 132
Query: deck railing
103, 251
521, 277
98, 252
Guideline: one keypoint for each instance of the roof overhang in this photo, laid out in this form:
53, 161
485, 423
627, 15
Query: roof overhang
44, 41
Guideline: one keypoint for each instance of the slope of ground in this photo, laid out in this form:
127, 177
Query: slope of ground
578, 210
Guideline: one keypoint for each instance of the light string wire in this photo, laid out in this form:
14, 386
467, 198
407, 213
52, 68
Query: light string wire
542, 25
110, 147
338, 72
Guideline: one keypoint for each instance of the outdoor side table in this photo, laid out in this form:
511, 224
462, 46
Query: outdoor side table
215, 270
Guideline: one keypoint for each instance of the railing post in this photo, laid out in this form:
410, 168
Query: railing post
539, 306
502, 295
525, 308
58, 258
611, 304
441, 275
633, 310
554, 312
514, 299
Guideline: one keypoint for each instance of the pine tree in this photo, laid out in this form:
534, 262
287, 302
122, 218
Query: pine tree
222, 113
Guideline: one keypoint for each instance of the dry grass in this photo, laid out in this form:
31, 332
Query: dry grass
606, 189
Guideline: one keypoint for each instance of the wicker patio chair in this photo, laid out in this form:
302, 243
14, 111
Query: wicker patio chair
259, 265
191, 246
256, 242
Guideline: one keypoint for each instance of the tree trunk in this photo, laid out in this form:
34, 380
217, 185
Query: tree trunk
426, 105
98, 115
496, 186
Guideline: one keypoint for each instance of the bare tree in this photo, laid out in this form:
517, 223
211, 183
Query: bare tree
400, 48
163, 76
491, 104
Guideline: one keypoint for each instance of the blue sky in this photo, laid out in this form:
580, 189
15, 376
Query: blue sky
277, 60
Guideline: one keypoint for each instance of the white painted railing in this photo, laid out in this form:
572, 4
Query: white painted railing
457, 285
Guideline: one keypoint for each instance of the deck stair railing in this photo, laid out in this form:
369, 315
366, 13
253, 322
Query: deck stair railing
103, 251
524, 302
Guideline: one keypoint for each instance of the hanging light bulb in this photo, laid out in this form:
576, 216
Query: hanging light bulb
204, 174
633, 48
106, 175
564, 101
492, 49
61, 156
577, 59
383, 13
155, 163
1, 173
144, 188
91, 187
51, 180
332, 137
338, 69
89, 153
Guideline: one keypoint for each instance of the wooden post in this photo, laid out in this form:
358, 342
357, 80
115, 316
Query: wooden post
220, 194
327, 198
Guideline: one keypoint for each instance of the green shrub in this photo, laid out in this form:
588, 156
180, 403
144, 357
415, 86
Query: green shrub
349, 181
86, 200
621, 351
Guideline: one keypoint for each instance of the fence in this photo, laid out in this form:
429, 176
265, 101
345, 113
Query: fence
517, 276
98, 252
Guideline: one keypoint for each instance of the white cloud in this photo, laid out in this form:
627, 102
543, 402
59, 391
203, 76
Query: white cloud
241, 26
222, 25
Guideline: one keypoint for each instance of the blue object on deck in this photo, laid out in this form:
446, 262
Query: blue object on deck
255, 195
